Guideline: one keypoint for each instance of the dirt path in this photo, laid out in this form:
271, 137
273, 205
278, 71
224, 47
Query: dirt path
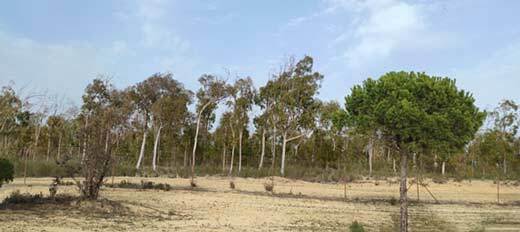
295, 206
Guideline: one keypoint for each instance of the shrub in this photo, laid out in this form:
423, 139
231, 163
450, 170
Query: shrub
232, 185
17, 198
393, 201
356, 227
269, 186
144, 185
6, 171
439, 180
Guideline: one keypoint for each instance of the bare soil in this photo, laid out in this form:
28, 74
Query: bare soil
294, 206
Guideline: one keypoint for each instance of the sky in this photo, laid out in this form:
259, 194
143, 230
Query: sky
59, 46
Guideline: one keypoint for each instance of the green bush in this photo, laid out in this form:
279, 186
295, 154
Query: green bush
6, 171
356, 227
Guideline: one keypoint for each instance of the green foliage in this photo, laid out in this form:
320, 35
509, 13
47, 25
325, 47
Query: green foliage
6, 171
415, 110
356, 227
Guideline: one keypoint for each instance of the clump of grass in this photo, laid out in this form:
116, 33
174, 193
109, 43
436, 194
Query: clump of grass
17, 198
439, 180
144, 185
393, 201
232, 185
269, 186
193, 184
356, 227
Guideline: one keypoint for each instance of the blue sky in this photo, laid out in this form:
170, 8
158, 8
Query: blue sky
59, 46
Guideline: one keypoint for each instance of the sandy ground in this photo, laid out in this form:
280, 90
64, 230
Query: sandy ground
295, 206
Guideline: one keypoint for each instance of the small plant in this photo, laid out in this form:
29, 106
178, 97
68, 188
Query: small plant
439, 180
232, 185
6, 171
23, 198
393, 201
53, 187
356, 227
144, 185
193, 184
269, 186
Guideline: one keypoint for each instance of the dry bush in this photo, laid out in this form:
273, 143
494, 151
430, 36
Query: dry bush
232, 185
439, 180
17, 198
269, 186
143, 185
193, 184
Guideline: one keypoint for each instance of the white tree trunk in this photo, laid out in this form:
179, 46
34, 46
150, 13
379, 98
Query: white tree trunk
155, 148
273, 150
49, 147
284, 145
141, 152
224, 159
232, 158
59, 147
85, 141
443, 168
196, 139
263, 151
370, 150
240, 151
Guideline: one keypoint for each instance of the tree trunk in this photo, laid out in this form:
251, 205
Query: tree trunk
26, 154
141, 153
36, 140
402, 191
394, 168
174, 158
505, 165
232, 158
155, 147
498, 185
370, 151
85, 141
224, 158
240, 151
185, 161
443, 167
273, 150
48, 147
263, 151
196, 140
284, 145
59, 147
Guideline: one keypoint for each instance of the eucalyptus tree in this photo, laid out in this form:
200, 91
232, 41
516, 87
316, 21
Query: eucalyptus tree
296, 106
241, 101
10, 107
267, 98
506, 120
222, 137
325, 123
261, 125
145, 95
414, 112
211, 92
169, 110
104, 104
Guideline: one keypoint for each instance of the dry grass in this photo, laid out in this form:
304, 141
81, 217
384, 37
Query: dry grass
296, 206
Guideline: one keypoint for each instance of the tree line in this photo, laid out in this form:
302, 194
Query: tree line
150, 126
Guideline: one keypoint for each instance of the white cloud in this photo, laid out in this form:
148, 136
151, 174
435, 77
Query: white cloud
58, 68
156, 33
381, 27
494, 78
